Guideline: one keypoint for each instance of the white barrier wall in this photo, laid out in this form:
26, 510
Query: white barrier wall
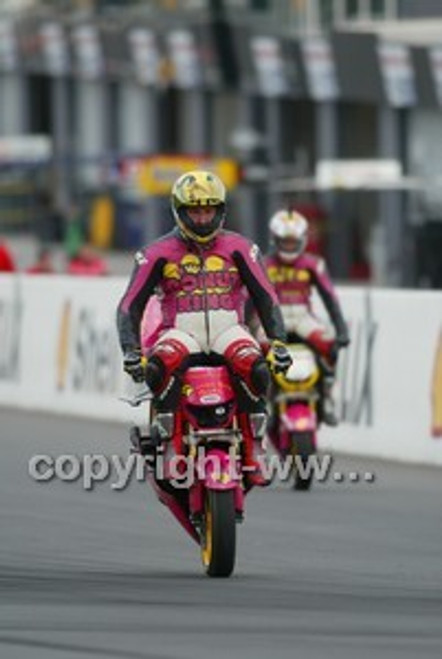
59, 353
390, 379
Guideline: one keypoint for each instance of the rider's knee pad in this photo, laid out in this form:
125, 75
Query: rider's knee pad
243, 356
166, 358
171, 353
321, 343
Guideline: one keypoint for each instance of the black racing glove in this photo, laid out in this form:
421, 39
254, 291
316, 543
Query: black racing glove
342, 339
280, 357
133, 365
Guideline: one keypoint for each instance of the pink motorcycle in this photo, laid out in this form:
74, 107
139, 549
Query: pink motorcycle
295, 415
197, 469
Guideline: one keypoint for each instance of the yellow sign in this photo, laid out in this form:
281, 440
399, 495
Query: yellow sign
102, 222
63, 346
437, 391
157, 174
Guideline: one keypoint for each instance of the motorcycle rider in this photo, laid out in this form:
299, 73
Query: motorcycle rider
199, 271
294, 274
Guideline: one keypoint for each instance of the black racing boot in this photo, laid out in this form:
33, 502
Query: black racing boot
329, 415
146, 445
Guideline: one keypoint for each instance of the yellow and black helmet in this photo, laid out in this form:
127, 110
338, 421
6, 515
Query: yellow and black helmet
198, 188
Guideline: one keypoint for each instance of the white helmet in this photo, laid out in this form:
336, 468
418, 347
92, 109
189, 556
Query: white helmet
289, 231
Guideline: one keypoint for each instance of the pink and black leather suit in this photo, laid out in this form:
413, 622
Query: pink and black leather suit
294, 284
202, 290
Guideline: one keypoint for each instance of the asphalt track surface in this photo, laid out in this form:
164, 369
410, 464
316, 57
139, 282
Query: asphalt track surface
347, 570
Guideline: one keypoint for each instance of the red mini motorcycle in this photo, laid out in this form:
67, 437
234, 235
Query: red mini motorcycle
197, 470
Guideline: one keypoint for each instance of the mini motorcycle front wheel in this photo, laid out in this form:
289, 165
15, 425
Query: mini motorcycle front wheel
218, 533
303, 448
